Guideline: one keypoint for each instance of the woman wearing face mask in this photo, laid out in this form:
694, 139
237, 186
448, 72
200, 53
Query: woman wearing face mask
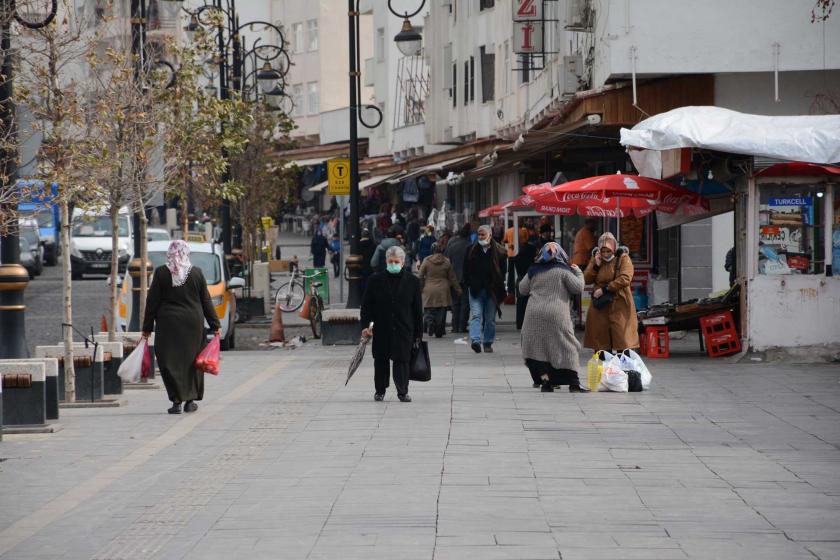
549, 346
611, 322
392, 302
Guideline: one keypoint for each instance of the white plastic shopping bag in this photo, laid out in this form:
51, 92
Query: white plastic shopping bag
631, 361
613, 377
132, 367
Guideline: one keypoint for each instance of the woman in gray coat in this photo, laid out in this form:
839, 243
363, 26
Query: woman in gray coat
549, 346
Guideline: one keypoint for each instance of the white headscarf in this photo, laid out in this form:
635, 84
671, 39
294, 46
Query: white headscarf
178, 261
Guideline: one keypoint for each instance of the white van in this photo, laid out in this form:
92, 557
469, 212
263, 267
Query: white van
90, 241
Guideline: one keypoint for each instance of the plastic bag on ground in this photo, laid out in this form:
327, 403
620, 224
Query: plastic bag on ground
613, 377
631, 361
595, 367
132, 367
208, 359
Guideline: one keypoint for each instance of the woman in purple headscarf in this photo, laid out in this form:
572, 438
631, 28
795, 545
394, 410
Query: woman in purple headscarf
177, 306
549, 346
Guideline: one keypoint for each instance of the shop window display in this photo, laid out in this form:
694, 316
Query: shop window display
790, 237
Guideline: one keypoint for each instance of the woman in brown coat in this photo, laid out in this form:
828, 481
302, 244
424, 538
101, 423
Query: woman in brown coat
437, 279
614, 326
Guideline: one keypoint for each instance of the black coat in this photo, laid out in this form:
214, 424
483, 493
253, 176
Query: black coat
485, 270
394, 304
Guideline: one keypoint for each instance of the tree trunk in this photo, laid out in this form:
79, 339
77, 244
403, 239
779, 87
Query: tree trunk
67, 294
144, 258
115, 272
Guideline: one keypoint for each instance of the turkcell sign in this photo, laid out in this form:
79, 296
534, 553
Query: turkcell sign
791, 201
527, 26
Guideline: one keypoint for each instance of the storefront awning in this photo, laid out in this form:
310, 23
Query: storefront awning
319, 187
439, 168
363, 184
798, 169
807, 138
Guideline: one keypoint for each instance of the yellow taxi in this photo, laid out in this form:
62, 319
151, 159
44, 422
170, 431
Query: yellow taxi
210, 258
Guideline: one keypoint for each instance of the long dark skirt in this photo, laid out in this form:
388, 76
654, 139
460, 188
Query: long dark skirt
556, 376
179, 337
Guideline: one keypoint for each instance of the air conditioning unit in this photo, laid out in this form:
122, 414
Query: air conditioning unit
581, 16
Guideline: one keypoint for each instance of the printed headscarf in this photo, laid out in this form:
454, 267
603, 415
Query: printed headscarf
550, 256
178, 261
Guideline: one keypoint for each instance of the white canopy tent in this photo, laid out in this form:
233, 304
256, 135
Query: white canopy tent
807, 138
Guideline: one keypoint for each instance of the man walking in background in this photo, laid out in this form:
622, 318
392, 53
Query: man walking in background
456, 252
484, 273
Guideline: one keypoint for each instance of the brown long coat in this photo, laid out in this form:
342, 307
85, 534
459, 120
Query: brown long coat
436, 278
614, 327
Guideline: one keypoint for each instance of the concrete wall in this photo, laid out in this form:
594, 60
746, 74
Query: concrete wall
800, 93
794, 310
713, 36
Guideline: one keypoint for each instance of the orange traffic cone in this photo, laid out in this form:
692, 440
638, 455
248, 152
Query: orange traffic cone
103, 324
304, 311
277, 332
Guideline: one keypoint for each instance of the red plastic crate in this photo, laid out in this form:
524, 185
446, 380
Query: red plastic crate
656, 342
720, 335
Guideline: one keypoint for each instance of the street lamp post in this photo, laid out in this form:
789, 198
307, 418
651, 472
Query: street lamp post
409, 42
229, 43
13, 277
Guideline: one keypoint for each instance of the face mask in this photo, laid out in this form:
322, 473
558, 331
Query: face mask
608, 259
484, 242
393, 268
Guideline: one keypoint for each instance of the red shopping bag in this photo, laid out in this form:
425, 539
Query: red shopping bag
208, 359
146, 368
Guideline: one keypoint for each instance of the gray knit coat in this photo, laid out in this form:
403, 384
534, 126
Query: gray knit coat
548, 334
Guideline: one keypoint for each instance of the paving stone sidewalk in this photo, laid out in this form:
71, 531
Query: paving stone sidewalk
283, 462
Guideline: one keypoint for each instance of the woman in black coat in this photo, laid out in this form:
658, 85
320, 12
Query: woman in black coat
393, 303
176, 308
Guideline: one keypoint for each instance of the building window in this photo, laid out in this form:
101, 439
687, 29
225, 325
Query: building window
297, 37
525, 69
466, 82
486, 4
297, 100
488, 75
790, 230
312, 34
472, 79
453, 91
380, 44
312, 98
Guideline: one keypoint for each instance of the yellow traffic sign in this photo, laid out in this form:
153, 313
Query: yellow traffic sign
338, 177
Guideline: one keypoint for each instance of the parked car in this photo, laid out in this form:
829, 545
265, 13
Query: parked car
90, 242
28, 229
210, 258
38, 202
27, 257
157, 234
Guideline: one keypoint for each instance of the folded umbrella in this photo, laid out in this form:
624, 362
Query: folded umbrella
358, 356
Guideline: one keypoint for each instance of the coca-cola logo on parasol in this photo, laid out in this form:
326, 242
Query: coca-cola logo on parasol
600, 212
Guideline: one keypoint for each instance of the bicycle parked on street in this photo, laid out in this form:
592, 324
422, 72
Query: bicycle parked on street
291, 295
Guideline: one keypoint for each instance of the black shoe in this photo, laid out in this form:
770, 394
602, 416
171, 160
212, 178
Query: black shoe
404, 398
488, 348
190, 406
546, 387
476, 347
176, 409
378, 396
577, 389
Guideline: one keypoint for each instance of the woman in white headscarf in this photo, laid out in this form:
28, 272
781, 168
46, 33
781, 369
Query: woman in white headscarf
176, 307
611, 322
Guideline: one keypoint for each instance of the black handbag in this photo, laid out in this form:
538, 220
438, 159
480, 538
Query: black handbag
606, 298
634, 381
420, 368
